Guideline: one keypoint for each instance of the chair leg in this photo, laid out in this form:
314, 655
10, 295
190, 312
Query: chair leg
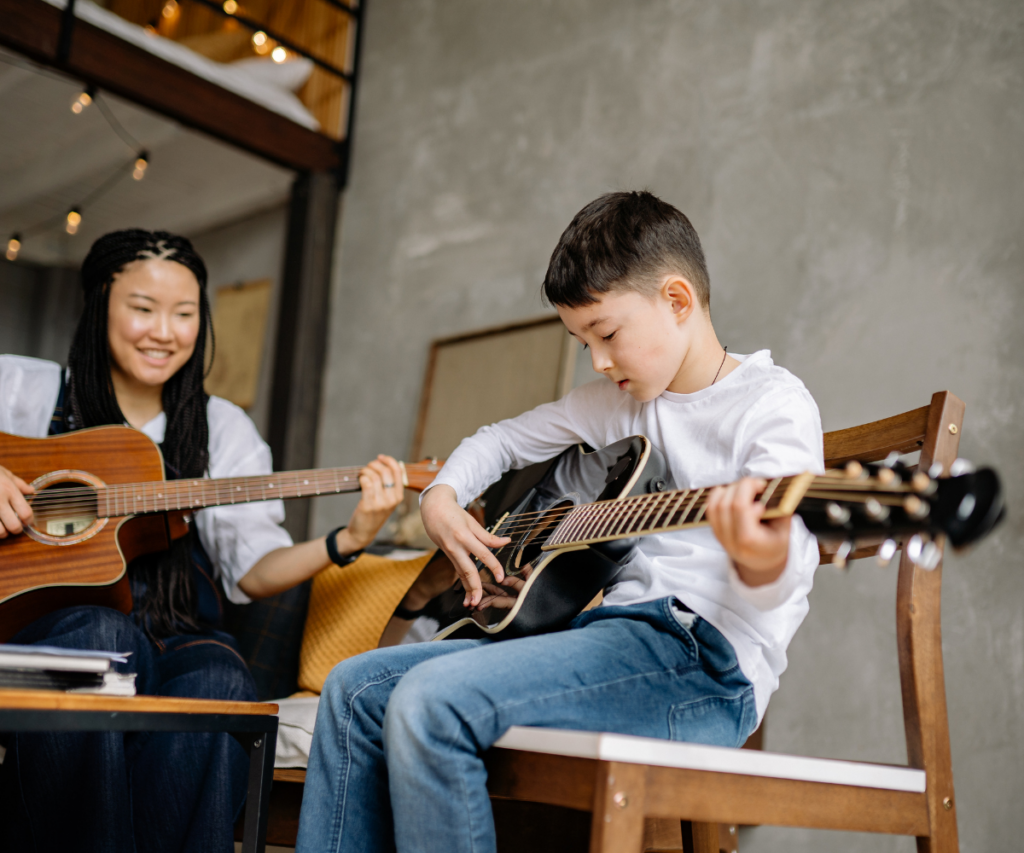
700, 837
617, 823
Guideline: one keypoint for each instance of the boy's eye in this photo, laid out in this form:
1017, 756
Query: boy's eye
608, 337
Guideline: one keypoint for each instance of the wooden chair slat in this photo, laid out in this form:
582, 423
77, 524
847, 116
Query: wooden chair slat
874, 441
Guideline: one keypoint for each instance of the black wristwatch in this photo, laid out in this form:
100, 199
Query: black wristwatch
332, 549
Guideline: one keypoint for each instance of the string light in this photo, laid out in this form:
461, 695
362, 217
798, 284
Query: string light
261, 43
279, 54
82, 100
13, 245
230, 7
141, 164
73, 221
170, 9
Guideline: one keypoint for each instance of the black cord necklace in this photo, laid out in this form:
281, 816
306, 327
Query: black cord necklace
725, 352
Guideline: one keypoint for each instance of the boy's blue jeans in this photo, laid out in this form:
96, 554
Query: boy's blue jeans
396, 758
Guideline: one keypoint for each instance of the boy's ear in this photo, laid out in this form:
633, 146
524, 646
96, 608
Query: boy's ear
681, 296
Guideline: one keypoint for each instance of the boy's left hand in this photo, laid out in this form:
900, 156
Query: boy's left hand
758, 549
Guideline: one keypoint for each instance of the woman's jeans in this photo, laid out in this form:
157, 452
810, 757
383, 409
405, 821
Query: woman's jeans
139, 791
396, 757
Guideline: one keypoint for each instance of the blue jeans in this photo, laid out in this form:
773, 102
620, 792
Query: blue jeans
396, 758
140, 791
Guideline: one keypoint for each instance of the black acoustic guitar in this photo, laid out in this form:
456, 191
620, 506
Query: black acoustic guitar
574, 521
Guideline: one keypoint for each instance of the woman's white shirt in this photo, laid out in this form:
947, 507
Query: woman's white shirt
235, 537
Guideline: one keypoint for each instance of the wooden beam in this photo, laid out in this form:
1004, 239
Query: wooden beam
32, 27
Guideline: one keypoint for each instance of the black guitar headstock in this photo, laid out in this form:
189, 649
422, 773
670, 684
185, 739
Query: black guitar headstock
889, 503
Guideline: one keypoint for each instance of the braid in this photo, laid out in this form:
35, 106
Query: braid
165, 598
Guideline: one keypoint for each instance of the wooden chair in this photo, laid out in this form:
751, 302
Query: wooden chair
627, 782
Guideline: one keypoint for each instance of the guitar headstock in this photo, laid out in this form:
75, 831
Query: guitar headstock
892, 503
419, 475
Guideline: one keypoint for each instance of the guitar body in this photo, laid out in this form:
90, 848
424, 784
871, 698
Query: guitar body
77, 560
546, 590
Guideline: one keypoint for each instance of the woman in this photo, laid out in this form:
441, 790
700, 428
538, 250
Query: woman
138, 358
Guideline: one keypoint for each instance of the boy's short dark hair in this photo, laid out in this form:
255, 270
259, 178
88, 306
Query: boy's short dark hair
624, 241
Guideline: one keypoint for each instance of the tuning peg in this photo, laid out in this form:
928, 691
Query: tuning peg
875, 510
837, 514
914, 548
885, 552
886, 476
961, 466
915, 507
839, 559
930, 556
854, 470
922, 483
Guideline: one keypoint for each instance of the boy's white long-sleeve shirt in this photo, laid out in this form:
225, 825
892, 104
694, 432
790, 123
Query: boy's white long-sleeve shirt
759, 421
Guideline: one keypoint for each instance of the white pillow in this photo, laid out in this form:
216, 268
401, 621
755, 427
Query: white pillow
289, 75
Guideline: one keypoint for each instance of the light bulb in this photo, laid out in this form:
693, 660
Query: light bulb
81, 101
74, 220
259, 38
279, 54
140, 166
170, 9
13, 246
230, 7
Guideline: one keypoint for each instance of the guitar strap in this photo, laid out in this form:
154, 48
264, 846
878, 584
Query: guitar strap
209, 605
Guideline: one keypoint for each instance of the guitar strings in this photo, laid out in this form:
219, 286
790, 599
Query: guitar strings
56, 500
603, 512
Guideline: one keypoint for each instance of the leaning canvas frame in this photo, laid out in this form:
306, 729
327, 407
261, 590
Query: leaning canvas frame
480, 377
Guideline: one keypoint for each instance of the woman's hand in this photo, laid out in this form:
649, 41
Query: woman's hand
381, 482
461, 537
758, 549
15, 512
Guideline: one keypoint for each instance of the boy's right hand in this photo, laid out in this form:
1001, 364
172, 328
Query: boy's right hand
461, 537
15, 512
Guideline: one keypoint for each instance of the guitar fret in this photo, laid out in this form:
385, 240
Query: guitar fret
664, 513
689, 507
675, 506
561, 533
641, 522
603, 523
578, 522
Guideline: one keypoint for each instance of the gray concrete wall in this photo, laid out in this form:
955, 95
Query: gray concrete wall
854, 170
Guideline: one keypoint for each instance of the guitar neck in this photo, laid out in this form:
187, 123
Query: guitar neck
666, 512
171, 495
195, 494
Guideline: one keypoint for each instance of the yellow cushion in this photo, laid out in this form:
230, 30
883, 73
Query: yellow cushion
349, 607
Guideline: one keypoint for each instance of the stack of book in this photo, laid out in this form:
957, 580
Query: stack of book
72, 670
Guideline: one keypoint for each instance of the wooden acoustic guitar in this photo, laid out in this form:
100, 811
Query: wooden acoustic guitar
574, 521
101, 501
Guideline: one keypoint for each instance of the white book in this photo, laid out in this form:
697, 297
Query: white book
52, 657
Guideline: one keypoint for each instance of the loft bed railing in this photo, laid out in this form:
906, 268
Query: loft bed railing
321, 31
181, 57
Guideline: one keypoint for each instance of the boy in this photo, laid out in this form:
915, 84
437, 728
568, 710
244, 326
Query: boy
691, 637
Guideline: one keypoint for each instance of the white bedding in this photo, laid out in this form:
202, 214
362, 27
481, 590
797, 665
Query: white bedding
257, 84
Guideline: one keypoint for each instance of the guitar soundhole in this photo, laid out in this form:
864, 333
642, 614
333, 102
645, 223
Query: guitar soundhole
64, 508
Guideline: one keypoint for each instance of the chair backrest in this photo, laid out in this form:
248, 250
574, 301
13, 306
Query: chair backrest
935, 431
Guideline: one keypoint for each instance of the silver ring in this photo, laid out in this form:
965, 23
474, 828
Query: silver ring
389, 485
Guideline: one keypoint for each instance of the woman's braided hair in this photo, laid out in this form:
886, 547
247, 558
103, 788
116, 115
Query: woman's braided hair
165, 597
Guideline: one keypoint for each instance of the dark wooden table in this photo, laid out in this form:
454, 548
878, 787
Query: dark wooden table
252, 724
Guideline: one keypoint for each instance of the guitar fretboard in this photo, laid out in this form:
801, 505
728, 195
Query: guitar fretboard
660, 512
168, 495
